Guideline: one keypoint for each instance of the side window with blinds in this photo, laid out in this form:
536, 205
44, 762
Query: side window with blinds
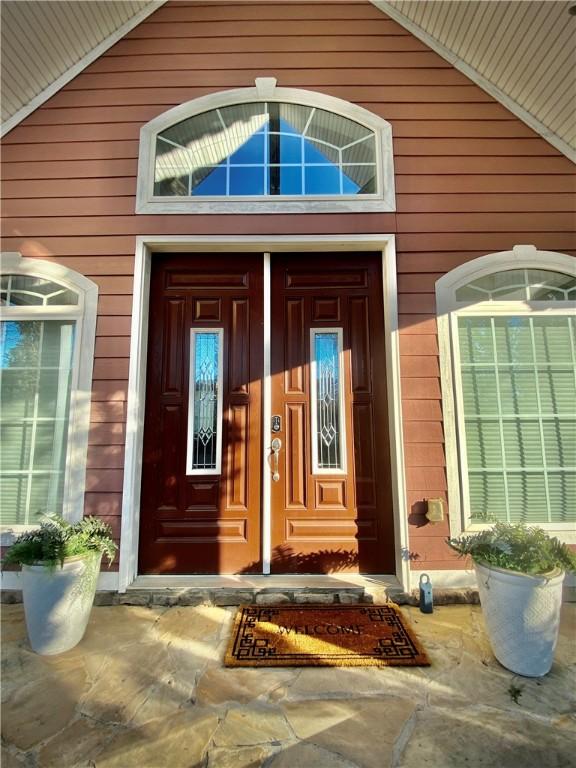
35, 381
519, 405
37, 355
514, 341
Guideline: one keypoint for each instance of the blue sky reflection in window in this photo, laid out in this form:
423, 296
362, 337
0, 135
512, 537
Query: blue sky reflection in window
265, 149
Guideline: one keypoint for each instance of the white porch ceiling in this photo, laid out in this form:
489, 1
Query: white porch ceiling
41, 42
522, 52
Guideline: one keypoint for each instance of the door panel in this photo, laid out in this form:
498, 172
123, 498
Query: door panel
203, 522
330, 520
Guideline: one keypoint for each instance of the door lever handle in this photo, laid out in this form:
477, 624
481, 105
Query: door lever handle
275, 447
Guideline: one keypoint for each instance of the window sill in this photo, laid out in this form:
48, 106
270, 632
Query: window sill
254, 206
9, 532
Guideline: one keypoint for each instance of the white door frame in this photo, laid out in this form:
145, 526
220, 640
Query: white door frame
138, 357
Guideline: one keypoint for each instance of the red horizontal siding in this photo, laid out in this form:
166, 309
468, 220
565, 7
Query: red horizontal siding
110, 389
470, 179
423, 431
105, 457
287, 43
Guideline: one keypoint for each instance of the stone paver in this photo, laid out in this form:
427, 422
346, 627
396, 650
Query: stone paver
308, 755
249, 726
147, 688
243, 757
449, 737
362, 730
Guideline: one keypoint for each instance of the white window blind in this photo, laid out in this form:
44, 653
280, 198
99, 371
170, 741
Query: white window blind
518, 382
35, 383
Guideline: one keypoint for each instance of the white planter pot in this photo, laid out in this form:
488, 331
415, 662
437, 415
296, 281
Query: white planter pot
522, 615
57, 602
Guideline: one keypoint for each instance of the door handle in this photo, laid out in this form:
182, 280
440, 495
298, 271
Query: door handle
275, 447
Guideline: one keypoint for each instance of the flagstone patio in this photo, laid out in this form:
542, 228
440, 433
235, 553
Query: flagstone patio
146, 688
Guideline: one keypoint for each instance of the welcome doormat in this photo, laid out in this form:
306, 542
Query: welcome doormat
323, 636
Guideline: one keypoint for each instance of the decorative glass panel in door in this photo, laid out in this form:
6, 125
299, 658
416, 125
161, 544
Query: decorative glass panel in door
327, 406
204, 453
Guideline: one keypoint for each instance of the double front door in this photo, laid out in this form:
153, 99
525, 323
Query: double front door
266, 444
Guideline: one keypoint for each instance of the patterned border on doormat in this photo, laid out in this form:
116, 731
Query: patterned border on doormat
323, 636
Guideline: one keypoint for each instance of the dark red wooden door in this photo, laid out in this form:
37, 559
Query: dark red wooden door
331, 500
201, 490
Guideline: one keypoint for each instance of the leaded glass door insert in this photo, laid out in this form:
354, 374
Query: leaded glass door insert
327, 406
204, 452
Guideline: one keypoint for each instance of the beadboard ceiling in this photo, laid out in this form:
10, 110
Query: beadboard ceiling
43, 41
523, 53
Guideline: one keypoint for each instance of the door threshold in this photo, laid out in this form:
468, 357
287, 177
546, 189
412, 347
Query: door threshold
264, 590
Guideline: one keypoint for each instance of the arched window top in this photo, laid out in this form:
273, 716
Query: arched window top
523, 275
520, 285
265, 149
25, 290
43, 286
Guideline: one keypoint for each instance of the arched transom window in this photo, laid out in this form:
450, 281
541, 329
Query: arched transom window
507, 327
284, 151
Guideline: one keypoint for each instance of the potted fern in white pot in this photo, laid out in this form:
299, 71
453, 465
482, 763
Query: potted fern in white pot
60, 564
520, 571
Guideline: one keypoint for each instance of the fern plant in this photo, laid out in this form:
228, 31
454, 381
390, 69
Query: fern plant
516, 547
56, 539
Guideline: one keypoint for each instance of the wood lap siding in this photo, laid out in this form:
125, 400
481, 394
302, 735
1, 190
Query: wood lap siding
470, 179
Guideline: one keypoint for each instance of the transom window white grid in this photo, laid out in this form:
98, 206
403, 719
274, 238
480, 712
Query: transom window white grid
327, 401
509, 389
47, 339
264, 150
205, 398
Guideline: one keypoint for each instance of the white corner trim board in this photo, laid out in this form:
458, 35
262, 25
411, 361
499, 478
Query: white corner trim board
267, 245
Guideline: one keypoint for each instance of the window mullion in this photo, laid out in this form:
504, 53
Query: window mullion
540, 424
66, 337
572, 345
500, 420
34, 425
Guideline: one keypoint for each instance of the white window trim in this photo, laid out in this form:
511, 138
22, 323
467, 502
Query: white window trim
84, 315
448, 311
266, 91
190, 470
316, 470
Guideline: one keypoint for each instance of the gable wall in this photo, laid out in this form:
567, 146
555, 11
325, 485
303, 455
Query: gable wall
470, 179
